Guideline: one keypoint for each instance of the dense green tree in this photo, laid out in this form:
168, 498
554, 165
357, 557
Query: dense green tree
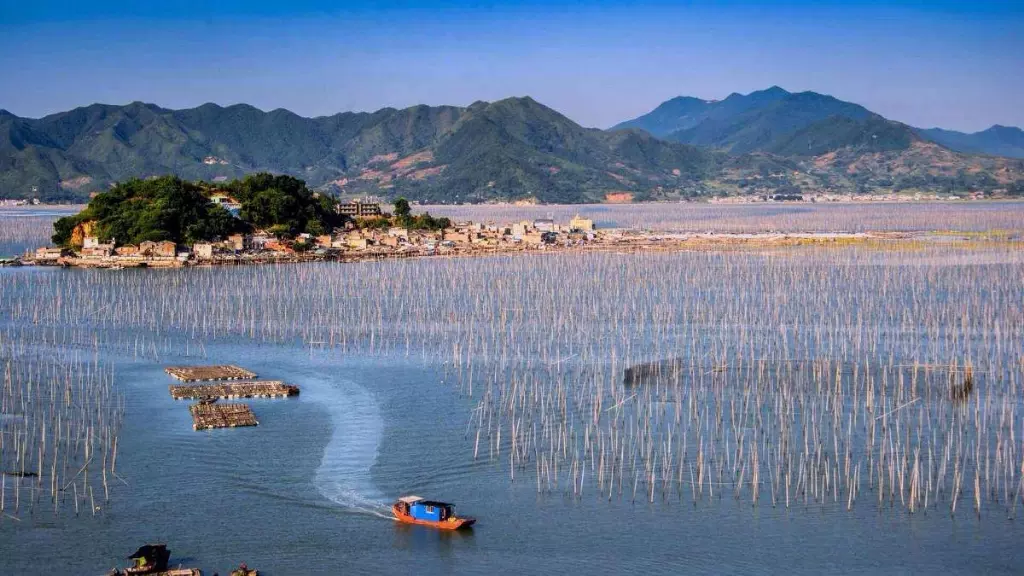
169, 208
165, 208
284, 203
402, 208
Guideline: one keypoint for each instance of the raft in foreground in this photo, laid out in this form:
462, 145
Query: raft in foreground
227, 415
416, 510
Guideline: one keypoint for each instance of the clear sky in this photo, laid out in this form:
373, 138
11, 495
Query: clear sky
953, 64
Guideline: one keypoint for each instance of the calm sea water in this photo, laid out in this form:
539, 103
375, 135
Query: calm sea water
306, 492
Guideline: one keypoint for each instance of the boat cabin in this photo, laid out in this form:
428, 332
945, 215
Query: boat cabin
149, 559
428, 510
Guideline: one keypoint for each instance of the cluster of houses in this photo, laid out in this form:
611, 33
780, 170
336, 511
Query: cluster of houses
93, 250
352, 241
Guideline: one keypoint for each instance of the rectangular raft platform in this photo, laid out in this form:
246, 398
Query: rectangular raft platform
265, 389
207, 373
208, 416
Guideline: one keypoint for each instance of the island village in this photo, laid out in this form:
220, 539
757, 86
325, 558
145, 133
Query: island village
369, 234
366, 236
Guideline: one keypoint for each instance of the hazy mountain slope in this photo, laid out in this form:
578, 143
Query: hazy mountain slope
676, 114
866, 135
759, 122
770, 120
998, 140
923, 166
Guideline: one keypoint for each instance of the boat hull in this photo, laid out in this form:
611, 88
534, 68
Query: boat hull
449, 524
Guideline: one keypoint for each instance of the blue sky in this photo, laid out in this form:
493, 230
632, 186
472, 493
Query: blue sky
957, 65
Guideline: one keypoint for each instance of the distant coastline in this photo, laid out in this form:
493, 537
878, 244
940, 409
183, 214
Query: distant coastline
810, 198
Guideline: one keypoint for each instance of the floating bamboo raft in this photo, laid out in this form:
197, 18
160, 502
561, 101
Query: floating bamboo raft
207, 416
265, 389
206, 373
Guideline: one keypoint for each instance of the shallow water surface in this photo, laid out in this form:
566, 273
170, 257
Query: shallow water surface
384, 410
305, 492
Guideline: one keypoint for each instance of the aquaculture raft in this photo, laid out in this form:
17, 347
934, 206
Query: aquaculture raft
206, 373
231, 415
267, 389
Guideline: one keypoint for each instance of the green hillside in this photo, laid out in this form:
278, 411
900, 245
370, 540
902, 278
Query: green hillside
759, 122
866, 135
670, 116
772, 120
512, 149
169, 208
998, 140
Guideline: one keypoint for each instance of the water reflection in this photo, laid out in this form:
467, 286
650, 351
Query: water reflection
423, 538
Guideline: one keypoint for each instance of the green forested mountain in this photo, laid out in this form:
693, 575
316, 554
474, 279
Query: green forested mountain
511, 149
519, 148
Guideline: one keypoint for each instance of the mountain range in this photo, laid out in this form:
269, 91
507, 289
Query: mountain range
512, 149
780, 122
998, 140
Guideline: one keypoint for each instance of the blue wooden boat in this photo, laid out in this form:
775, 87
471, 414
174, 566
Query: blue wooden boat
416, 510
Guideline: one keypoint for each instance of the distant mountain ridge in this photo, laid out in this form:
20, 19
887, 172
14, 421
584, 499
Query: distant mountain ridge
772, 120
511, 149
998, 140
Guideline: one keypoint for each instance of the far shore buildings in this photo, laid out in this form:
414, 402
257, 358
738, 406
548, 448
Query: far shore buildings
544, 224
359, 208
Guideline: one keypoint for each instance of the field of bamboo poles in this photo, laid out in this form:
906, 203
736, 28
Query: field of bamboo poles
25, 229
806, 377
60, 417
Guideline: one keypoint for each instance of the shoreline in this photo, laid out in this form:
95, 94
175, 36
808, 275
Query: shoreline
740, 200
621, 241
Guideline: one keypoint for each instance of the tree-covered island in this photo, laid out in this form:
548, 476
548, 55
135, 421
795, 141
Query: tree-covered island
170, 209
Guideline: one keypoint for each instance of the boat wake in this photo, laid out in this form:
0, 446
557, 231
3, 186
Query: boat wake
344, 473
